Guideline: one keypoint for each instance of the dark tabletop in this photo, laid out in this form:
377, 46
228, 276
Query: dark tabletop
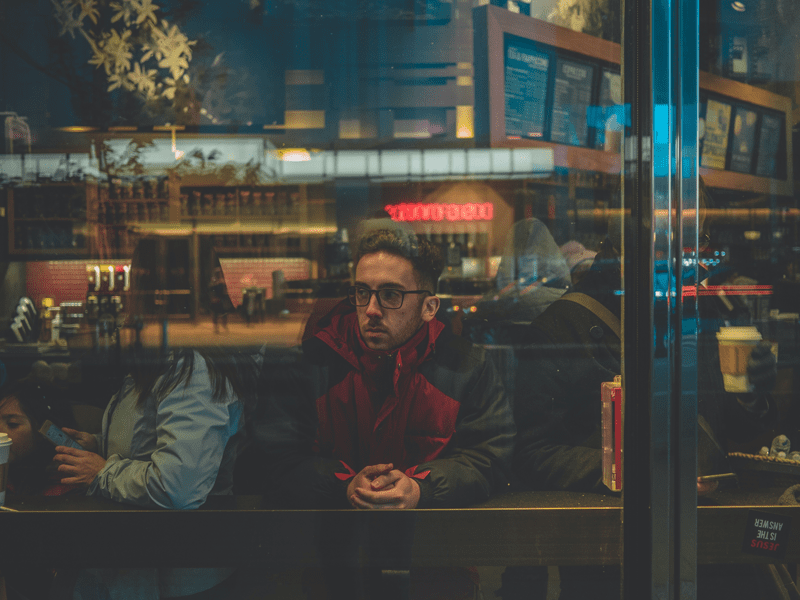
554, 528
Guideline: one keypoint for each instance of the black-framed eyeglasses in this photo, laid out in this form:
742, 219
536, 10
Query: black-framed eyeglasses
387, 297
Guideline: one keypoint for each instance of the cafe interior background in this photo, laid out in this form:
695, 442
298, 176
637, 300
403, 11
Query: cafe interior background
268, 130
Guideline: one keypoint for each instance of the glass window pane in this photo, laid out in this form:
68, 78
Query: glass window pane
189, 190
745, 300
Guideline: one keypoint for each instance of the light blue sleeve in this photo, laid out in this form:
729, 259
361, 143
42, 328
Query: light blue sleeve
192, 431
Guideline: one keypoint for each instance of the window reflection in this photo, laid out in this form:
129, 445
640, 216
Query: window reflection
252, 146
252, 142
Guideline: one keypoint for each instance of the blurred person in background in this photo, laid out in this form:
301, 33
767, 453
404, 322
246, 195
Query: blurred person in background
533, 273
569, 351
219, 301
579, 259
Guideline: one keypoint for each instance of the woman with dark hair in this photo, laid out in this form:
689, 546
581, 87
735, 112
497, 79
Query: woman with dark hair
170, 436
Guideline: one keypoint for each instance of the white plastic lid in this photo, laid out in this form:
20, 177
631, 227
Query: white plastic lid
742, 334
4, 439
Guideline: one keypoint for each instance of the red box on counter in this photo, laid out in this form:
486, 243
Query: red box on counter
611, 397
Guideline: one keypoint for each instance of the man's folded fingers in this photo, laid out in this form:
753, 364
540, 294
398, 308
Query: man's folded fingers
389, 496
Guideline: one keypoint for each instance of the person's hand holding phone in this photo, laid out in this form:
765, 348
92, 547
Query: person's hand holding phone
86, 440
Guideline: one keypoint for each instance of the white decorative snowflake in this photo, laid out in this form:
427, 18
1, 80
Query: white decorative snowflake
118, 49
144, 80
65, 15
119, 79
99, 55
173, 49
133, 38
149, 46
147, 12
88, 9
171, 88
125, 10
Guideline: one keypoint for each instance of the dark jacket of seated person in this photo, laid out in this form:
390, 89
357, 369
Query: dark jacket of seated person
359, 411
570, 352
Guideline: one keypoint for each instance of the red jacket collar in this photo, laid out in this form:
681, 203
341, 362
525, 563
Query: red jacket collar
339, 330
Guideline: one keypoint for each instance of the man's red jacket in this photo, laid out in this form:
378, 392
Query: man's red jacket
441, 416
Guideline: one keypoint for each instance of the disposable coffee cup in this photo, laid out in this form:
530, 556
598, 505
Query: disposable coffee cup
735, 346
5, 447
613, 141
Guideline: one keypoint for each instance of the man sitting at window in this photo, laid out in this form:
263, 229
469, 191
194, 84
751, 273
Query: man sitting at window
384, 408
388, 409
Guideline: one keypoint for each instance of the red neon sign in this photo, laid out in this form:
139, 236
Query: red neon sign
417, 211
728, 290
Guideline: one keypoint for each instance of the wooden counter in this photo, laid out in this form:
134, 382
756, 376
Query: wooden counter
535, 528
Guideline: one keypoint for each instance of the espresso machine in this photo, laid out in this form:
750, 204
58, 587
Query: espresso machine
105, 287
24, 325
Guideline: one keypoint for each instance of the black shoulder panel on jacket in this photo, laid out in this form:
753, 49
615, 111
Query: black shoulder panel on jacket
456, 353
455, 366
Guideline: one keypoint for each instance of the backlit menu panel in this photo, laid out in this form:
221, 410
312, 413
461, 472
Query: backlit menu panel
549, 96
744, 135
768, 146
742, 138
571, 100
538, 84
526, 73
715, 138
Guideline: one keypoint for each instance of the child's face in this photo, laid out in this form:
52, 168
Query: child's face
17, 425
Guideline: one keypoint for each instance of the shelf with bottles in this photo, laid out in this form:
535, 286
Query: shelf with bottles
124, 201
47, 238
124, 213
573, 186
569, 192
50, 201
48, 218
578, 179
581, 206
244, 203
261, 245
132, 189
112, 242
237, 242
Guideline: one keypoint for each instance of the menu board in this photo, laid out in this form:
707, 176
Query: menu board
744, 135
525, 90
715, 138
572, 98
767, 165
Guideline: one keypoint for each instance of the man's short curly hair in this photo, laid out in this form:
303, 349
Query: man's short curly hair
425, 257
